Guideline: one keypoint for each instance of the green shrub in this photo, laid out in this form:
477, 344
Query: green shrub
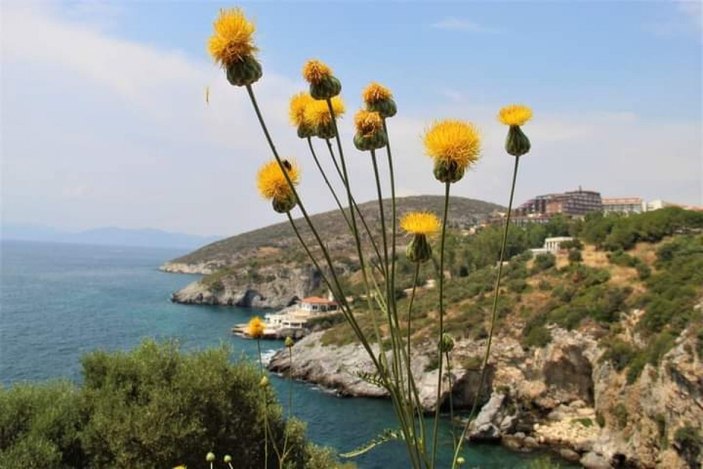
619, 353
623, 259
151, 407
586, 422
543, 262
620, 413
535, 334
689, 443
574, 244
643, 271
517, 285
575, 255
39, 426
600, 420
636, 366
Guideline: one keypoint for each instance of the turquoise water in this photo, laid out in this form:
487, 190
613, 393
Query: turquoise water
58, 301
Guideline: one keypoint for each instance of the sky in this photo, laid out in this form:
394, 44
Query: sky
104, 121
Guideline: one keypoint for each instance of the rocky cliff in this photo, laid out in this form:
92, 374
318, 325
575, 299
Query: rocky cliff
269, 287
562, 396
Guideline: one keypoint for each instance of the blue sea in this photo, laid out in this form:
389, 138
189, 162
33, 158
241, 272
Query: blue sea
59, 301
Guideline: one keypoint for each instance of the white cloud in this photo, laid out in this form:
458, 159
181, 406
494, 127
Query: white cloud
462, 24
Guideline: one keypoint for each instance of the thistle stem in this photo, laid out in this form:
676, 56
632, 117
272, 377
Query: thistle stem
328, 259
393, 329
451, 400
266, 411
413, 398
290, 382
355, 207
435, 429
324, 176
395, 217
383, 227
494, 314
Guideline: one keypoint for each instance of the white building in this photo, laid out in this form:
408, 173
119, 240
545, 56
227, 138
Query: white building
552, 245
625, 205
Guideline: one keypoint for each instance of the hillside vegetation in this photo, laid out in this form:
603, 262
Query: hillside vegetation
269, 242
635, 281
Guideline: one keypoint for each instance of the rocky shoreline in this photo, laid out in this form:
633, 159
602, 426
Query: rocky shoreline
561, 397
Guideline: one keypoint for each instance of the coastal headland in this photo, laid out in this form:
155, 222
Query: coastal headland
598, 354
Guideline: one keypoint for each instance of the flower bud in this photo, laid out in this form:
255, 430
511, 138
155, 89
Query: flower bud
264, 381
516, 143
210, 457
446, 345
374, 141
244, 72
284, 204
325, 130
369, 131
448, 171
419, 250
305, 131
326, 88
460, 461
228, 459
289, 342
385, 107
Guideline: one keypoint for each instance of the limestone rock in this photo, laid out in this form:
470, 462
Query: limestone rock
269, 287
593, 460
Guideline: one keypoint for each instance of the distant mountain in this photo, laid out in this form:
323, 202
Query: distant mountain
147, 237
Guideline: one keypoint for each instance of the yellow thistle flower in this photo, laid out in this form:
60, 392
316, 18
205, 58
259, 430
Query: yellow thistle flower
314, 71
375, 92
515, 114
233, 37
318, 114
255, 327
453, 141
298, 104
368, 122
422, 223
272, 182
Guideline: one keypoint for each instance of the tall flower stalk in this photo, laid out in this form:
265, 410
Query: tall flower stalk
516, 144
453, 145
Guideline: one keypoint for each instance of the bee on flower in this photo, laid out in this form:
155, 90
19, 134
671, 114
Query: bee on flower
232, 46
323, 85
454, 146
420, 225
515, 116
273, 185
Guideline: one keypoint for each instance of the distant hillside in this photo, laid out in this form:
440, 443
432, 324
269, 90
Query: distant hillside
463, 212
112, 236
